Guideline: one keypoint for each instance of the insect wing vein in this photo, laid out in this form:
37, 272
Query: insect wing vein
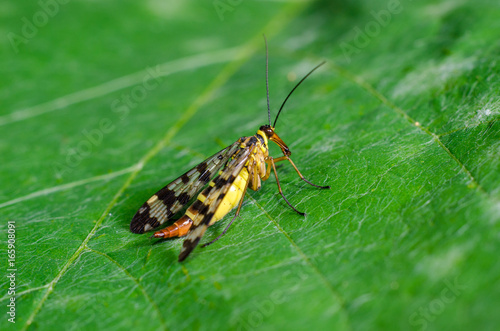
171, 198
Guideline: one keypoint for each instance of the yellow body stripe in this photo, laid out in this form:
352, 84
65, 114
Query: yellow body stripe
232, 197
190, 214
201, 197
263, 135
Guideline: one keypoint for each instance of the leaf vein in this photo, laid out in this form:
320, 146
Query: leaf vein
137, 282
370, 89
68, 186
308, 261
166, 69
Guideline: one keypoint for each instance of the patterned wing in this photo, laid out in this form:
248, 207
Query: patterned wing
170, 199
214, 195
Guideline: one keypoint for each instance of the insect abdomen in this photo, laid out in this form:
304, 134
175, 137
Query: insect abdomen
178, 229
232, 197
229, 200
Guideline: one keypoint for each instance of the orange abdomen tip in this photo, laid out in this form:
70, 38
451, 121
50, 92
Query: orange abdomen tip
179, 229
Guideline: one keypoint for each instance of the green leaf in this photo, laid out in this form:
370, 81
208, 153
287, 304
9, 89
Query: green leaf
104, 103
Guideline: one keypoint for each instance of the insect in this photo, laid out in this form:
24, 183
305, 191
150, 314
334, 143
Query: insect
240, 166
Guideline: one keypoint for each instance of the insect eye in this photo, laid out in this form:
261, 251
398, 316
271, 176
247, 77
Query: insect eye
267, 130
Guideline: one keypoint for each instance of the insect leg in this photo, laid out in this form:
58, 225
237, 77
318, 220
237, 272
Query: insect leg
234, 217
268, 171
302, 177
286, 157
271, 161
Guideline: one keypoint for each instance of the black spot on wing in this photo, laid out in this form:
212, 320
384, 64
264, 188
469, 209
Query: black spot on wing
220, 182
204, 209
187, 248
201, 167
206, 219
207, 191
205, 173
205, 177
141, 218
185, 178
184, 198
167, 196
196, 206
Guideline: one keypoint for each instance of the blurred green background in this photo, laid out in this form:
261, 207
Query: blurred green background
103, 103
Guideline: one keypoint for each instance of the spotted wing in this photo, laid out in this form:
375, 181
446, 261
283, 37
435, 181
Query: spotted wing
214, 195
170, 199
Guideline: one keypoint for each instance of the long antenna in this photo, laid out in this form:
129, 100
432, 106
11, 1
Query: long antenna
289, 94
267, 80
